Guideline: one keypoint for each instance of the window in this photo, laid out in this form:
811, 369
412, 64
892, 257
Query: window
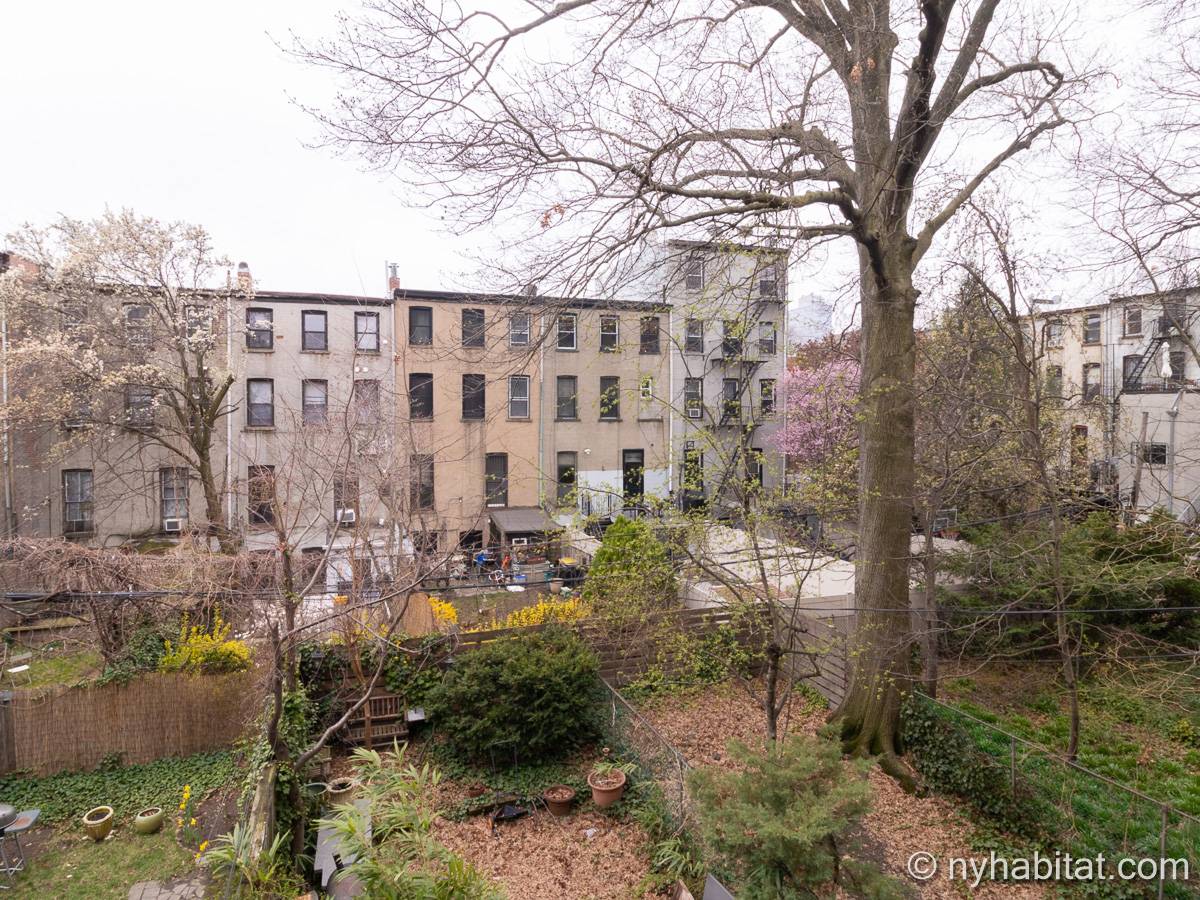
495, 479
693, 274
693, 338
139, 406
420, 395
421, 484
693, 398
1091, 328
1054, 381
766, 338
425, 543
366, 332
137, 324
1130, 378
754, 466
610, 398
314, 330
473, 397
610, 333
567, 461
1091, 381
731, 338
78, 505
731, 401
768, 281
566, 331
260, 329
1177, 360
260, 403
314, 397
473, 329
646, 388
1133, 320
766, 397
693, 469
261, 491
420, 325
568, 407
1154, 454
74, 315
518, 396
345, 499
518, 329
1054, 334
366, 401
173, 492
312, 561
650, 327
197, 323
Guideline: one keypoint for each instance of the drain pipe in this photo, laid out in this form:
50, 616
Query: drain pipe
1172, 415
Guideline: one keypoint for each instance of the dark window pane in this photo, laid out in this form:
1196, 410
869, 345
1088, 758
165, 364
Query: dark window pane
566, 331
694, 337
260, 332
420, 325
518, 396
472, 328
421, 487
567, 407
610, 397
78, 502
261, 490
315, 398
473, 396
610, 333
314, 327
650, 326
518, 329
420, 395
495, 479
566, 477
260, 402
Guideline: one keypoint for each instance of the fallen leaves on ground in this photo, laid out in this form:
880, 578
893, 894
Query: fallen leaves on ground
898, 824
541, 857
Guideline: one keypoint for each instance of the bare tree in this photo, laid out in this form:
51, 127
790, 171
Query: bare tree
118, 342
775, 120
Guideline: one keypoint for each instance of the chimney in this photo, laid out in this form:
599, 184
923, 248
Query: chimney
245, 282
393, 278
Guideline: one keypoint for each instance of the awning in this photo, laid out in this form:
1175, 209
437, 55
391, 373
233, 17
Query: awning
522, 520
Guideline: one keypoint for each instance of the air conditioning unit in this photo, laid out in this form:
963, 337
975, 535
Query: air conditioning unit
693, 412
74, 423
173, 526
520, 542
346, 516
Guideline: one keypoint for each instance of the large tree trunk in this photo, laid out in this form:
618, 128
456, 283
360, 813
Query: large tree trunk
214, 508
869, 716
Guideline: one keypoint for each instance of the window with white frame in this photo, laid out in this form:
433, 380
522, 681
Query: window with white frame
518, 329
693, 274
78, 501
173, 493
1133, 321
260, 403
610, 333
693, 398
566, 337
315, 401
518, 396
693, 339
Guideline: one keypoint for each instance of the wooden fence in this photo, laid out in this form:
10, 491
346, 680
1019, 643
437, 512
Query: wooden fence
822, 658
626, 654
148, 718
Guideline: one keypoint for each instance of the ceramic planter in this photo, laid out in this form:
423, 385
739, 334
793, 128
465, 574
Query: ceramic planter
340, 790
98, 822
607, 789
559, 798
149, 820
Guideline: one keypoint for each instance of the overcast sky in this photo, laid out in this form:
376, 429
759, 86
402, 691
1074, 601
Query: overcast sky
131, 103
186, 115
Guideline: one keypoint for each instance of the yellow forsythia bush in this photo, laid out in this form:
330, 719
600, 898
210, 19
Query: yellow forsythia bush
444, 612
207, 651
547, 611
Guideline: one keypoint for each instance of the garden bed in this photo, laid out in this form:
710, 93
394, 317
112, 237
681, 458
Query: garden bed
898, 824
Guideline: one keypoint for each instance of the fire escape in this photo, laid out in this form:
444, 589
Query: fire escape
1133, 380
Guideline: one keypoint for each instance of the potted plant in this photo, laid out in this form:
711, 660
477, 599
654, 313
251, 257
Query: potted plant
341, 790
607, 781
149, 820
98, 822
559, 798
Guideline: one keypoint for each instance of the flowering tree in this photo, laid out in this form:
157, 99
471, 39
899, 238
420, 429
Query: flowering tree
819, 437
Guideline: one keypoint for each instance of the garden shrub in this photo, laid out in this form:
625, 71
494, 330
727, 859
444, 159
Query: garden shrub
533, 695
949, 760
775, 820
546, 611
630, 575
208, 651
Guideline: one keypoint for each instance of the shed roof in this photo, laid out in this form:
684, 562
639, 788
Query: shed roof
523, 520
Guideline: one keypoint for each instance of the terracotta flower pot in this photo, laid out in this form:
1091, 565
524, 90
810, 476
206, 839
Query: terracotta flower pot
559, 798
98, 822
149, 820
607, 789
341, 790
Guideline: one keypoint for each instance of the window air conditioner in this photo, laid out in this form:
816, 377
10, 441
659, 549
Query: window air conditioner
172, 526
693, 412
346, 516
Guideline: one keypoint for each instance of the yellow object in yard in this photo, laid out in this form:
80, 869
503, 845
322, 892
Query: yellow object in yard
340, 599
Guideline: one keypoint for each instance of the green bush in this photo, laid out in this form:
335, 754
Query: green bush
776, 819
534, 696
630, 575
947, 757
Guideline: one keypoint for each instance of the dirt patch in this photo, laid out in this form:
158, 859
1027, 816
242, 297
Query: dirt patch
898, 824
540, 857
